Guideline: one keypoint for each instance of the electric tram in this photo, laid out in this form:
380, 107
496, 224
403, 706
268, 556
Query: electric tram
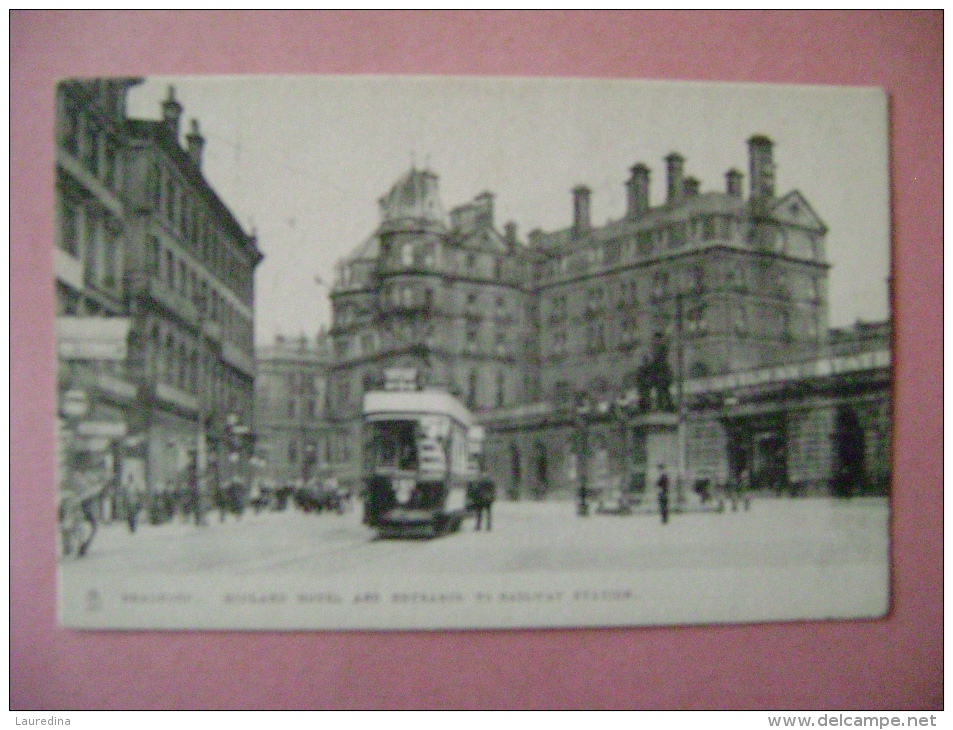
421, 454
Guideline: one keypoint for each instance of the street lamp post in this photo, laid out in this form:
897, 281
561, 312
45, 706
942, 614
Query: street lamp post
681, 437
582, 410
201, 446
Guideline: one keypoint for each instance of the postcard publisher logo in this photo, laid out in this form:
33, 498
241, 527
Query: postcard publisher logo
94, 600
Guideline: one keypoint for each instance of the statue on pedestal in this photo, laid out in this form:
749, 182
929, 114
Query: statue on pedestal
654, 380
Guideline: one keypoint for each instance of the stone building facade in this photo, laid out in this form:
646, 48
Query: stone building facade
730, 282
446, 295
545, 339
291, 427
809, 427
155, 246
96, 391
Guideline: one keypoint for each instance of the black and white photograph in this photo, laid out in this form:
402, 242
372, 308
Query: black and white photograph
370, 352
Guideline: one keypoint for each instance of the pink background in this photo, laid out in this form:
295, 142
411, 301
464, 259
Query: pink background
894, 663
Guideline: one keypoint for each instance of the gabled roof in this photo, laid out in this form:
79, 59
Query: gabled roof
794, 209
485, 238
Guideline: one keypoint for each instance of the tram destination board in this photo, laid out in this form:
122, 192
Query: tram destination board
419, 353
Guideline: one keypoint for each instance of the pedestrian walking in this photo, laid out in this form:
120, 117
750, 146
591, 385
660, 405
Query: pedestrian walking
662, 485
485, 496
133, 499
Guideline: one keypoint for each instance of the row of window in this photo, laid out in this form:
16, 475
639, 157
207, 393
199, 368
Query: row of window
184, 214
91, 234
293, 395
475, 396
438, 258
304, 382
792, 241
307, 454
181, 277
663, 284
401, 333
177, 361
368, 343
293, 455
95, 147
634, 329
411, 296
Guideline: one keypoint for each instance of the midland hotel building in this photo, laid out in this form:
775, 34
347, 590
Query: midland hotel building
731, 280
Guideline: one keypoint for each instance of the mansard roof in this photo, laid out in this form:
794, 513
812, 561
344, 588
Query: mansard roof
414, 197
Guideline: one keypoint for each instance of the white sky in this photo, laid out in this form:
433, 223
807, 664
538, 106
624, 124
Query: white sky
305, 159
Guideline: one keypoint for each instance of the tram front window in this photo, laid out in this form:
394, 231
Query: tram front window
394, 445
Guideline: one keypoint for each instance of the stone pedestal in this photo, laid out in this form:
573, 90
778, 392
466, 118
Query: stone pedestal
653, 440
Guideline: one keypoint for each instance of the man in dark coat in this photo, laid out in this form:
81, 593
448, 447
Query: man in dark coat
663, 494
484, 497
194, 495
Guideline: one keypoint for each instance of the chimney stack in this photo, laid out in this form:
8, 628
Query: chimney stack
691, 187
194, 144
638, 190
510, 234
762, 167
581, 222
485, 203
171, 112
676, 169
733, 183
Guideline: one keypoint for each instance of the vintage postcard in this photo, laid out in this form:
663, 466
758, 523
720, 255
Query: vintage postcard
425, 353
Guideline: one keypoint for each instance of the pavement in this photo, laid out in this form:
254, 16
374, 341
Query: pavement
540, 566
526, 537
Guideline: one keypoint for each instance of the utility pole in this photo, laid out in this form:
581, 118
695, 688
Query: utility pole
680, 393
582, 431
201, 446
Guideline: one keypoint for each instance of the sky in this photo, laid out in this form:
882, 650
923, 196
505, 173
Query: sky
303, 160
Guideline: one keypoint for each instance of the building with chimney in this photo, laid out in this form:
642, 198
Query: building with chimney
448, 296
550, 341
734, 282
150, 255
191, 301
